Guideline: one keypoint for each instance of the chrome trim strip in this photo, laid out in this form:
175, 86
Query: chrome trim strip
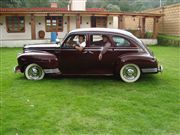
149, 70
110, 49
50, 71
89, 74
129, 49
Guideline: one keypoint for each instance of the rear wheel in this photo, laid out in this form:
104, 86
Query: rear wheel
34, 72
130, 73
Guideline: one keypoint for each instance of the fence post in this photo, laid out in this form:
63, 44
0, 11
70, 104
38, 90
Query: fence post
155, 27
143, 22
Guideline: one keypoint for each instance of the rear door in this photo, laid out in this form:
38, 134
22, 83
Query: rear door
104, 66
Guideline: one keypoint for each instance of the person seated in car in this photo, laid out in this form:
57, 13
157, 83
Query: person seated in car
106, 44
81, 43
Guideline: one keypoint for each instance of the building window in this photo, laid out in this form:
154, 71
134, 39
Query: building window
54, 23
15, 24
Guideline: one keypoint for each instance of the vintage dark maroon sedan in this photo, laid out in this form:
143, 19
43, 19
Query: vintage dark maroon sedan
126, 56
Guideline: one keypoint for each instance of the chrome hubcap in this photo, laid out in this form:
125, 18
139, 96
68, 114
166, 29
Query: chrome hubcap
35, 72
130, 72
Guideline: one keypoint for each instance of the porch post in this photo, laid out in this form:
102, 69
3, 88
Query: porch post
33, 27
155, 27
68, 23
78, 21
143, 27
121, 22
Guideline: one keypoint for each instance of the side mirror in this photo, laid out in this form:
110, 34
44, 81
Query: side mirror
57, 41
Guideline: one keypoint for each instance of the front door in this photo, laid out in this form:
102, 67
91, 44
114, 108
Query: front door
71, 60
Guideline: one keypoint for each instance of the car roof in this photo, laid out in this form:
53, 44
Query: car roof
120, 31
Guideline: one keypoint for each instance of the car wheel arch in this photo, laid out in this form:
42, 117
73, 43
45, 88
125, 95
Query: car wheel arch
121, 61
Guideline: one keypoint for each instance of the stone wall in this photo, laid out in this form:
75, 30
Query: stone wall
169, 23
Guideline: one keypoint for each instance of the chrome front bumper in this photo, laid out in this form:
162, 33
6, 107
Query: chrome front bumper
17, 69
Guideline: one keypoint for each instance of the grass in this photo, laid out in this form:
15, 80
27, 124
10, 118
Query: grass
91, 105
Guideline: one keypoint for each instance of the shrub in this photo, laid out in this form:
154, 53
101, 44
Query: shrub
148, 35
167, 40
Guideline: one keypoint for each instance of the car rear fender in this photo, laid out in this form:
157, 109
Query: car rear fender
142, 61
44, 59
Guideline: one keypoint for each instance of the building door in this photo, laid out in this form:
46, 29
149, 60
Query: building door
99, 21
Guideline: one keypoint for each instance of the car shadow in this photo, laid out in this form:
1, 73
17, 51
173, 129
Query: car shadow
145, 78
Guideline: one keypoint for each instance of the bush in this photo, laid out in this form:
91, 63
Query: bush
148, 35
168, 40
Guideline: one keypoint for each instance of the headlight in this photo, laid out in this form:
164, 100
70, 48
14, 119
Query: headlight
18, 55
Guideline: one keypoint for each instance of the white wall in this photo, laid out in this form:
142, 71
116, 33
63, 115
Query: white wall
110, 22
40, 25
72, 22
86, 22
115, 22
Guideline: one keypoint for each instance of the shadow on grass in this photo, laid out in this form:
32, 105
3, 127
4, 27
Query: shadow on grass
145, 78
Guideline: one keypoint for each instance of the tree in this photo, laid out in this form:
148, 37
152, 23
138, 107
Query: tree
12, 3
113, 8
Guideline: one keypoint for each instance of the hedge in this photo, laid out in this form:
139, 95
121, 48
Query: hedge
167, 40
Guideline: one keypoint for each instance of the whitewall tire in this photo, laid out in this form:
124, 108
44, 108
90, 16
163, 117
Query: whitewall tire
130, 73
34, 72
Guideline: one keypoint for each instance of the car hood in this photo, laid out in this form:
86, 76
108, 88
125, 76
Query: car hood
41, 45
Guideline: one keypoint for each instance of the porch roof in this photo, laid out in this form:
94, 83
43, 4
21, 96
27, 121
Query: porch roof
89, 12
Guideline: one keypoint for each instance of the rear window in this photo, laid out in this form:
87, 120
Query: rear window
120, 41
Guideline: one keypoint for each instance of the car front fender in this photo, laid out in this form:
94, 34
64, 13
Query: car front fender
44, 59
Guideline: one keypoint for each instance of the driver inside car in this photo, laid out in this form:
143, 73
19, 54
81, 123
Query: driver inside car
80, 43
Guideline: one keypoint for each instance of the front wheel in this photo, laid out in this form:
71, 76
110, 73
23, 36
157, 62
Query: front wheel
130, 73
34, 72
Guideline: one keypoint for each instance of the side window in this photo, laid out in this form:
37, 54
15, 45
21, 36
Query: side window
120, 41
74, 39
97, 40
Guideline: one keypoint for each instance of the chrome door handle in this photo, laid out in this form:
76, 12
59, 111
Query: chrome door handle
88, 52
85, 52
56, 51
91, 52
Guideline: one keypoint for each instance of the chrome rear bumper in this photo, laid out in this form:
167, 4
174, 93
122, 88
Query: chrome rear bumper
152, 70
160, 68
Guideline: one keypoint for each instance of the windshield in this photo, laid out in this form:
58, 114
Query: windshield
63, 39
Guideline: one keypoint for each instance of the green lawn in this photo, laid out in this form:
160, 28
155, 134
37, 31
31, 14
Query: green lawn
91, 105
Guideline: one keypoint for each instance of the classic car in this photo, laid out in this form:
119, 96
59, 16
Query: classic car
126, 57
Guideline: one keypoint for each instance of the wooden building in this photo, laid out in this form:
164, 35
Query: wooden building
38, 23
